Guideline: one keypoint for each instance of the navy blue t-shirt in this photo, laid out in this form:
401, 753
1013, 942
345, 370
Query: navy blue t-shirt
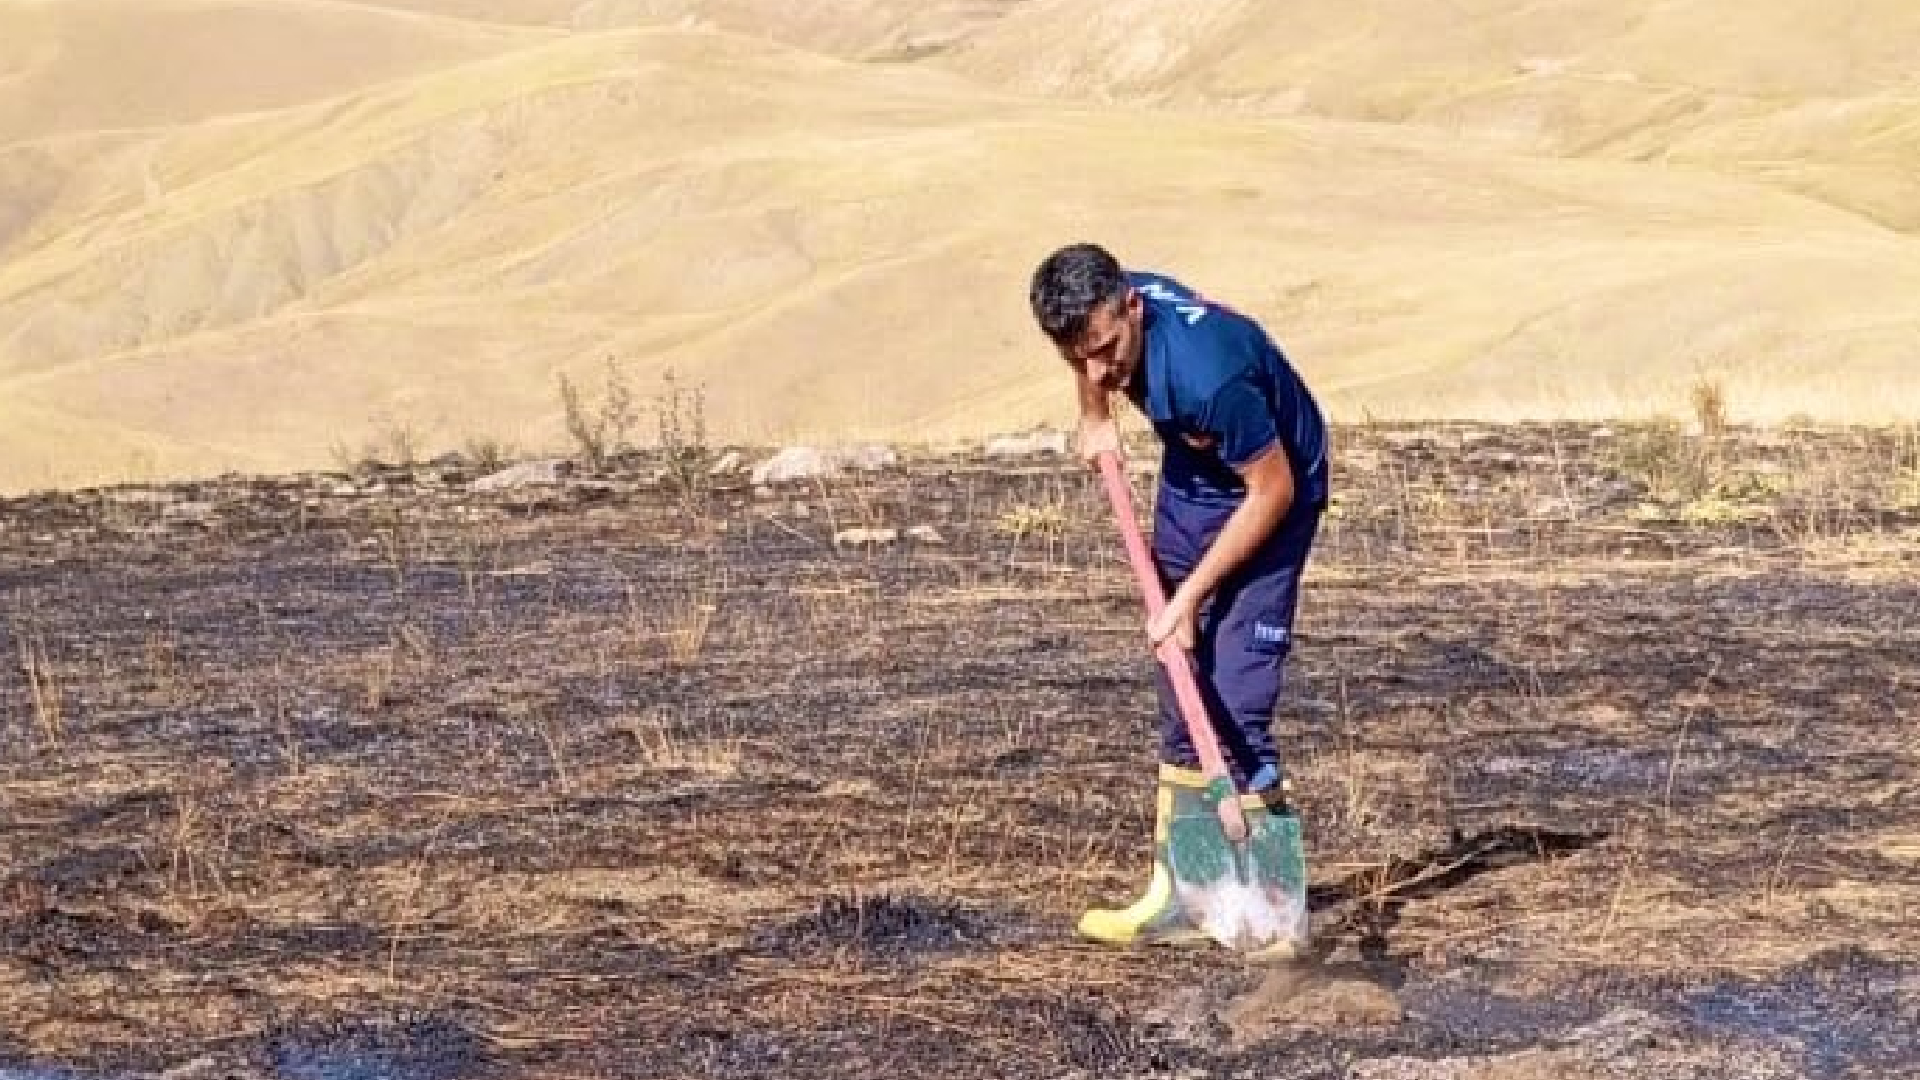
1220, 393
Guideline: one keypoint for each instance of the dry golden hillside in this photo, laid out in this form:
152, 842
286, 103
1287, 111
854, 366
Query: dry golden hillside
249, 235
860, 29
1816, 96
72, 67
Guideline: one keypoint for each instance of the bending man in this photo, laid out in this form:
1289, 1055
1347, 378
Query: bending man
1243, 484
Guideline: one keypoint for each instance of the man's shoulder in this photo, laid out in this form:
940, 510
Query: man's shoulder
1190, 308
1184, 306
1210, 343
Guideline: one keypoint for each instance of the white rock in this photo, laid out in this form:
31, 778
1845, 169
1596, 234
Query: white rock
926, 534
865, 537
793, 463
140, 497
729, 462
525, 474
870, 457
1033, 444
190, 510
813, 463
1552, 507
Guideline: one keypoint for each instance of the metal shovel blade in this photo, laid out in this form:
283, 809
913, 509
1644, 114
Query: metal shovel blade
1250, 897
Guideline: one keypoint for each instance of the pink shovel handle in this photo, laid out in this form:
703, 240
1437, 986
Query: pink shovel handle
1178, 664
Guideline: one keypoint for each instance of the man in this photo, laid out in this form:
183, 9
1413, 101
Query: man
1243, 483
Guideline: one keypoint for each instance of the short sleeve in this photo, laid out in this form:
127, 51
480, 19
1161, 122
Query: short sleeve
1240, 418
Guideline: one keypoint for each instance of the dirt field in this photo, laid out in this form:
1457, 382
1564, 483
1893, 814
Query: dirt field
1602, 738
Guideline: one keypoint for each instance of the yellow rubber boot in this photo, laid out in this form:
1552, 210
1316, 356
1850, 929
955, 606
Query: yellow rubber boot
1157, 917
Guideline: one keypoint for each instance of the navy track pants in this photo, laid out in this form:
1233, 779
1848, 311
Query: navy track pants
1244, 632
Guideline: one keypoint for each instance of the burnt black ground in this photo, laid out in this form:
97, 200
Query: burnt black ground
370, 776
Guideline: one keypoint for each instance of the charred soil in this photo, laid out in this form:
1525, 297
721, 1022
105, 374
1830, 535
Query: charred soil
1601, 737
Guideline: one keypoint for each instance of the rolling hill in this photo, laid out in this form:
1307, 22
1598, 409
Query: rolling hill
255, 234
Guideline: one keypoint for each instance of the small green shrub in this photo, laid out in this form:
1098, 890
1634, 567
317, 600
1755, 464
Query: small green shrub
602, 428
1709, 401
681, 414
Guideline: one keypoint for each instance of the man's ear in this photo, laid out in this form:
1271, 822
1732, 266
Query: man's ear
1135, 305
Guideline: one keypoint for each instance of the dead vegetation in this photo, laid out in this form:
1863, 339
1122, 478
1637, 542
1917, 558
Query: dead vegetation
589, 779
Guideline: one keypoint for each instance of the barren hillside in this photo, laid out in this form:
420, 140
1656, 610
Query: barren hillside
1815, 96
274, 233
862, 29
70, 67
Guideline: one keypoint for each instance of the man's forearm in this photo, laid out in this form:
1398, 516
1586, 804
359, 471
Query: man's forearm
1094, 404
1246, 529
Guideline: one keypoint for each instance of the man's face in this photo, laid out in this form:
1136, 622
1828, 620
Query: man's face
1109, 351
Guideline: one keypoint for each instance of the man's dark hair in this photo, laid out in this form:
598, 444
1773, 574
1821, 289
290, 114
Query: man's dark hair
1071, 283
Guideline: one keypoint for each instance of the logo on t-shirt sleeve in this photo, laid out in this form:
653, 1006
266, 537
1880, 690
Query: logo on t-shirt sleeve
1189, 309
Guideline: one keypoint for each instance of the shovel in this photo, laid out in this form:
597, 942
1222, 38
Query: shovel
1239, 871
